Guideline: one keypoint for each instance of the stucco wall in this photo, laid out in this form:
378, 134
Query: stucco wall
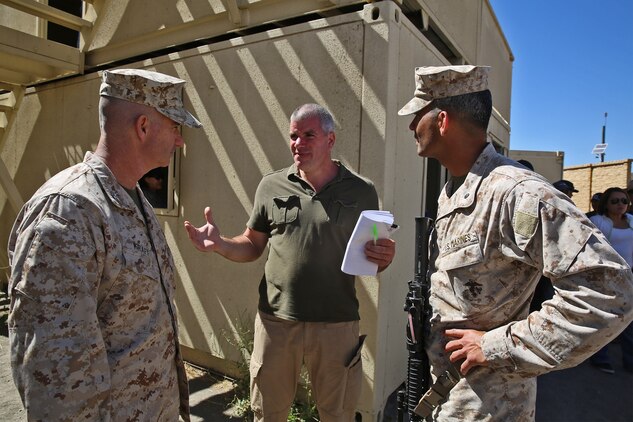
549, 164
598, 177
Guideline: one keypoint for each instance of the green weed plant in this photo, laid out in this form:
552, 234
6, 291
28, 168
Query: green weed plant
301, 410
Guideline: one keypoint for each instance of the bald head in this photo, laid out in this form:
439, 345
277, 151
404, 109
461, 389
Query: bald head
116, 114
135, 138
125, 138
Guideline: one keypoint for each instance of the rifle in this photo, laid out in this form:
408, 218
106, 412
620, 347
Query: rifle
418, 311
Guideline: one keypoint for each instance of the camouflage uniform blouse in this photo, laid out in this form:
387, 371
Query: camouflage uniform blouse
496, 235
92, 324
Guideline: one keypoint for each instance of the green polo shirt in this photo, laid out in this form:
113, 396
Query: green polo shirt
308, 233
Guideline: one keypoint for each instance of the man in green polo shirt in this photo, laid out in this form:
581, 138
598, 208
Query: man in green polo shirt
308, 311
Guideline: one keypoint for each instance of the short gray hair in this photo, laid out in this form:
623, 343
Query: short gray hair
307, 111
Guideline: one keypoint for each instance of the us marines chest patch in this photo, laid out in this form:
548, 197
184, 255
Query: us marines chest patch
459, 242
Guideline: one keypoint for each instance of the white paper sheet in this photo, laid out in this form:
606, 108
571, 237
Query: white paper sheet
355, 262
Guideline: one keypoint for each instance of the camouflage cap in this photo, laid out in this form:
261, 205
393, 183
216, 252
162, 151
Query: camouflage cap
434, 82
163, 92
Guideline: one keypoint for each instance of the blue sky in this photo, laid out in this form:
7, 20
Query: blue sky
573, 62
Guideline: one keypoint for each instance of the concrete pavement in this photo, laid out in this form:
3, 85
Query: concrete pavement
580, 394
10, 405
585, 394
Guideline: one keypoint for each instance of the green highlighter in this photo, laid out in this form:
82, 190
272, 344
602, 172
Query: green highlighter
375, 232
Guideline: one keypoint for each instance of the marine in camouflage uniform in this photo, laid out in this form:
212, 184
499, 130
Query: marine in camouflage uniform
92, 324
498, 229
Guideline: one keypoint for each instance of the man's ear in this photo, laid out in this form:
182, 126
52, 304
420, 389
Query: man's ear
331, 139
442, 122
141, 125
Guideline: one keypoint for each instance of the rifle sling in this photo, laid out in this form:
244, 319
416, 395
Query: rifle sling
436, 394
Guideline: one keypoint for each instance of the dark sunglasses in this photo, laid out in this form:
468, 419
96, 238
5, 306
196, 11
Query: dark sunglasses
619, 200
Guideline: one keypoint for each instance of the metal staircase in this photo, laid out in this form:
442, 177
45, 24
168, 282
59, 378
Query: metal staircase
10, 98
28, 57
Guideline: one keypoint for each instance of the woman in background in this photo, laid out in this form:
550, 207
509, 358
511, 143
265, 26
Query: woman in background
612, 220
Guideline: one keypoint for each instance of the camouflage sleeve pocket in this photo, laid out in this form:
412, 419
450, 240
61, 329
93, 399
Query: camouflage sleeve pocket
59, 234
57, 263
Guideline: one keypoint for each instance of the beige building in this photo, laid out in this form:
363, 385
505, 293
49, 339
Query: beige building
248, 64
548, 164
593, 178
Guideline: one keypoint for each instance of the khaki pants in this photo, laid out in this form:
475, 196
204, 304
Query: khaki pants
331, 353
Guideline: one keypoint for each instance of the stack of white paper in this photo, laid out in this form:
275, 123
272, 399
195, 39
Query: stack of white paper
369, 222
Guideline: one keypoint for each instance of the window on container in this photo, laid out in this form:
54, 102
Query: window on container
59, 33
160, 187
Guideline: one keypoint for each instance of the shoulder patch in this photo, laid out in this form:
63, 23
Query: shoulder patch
526, 216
